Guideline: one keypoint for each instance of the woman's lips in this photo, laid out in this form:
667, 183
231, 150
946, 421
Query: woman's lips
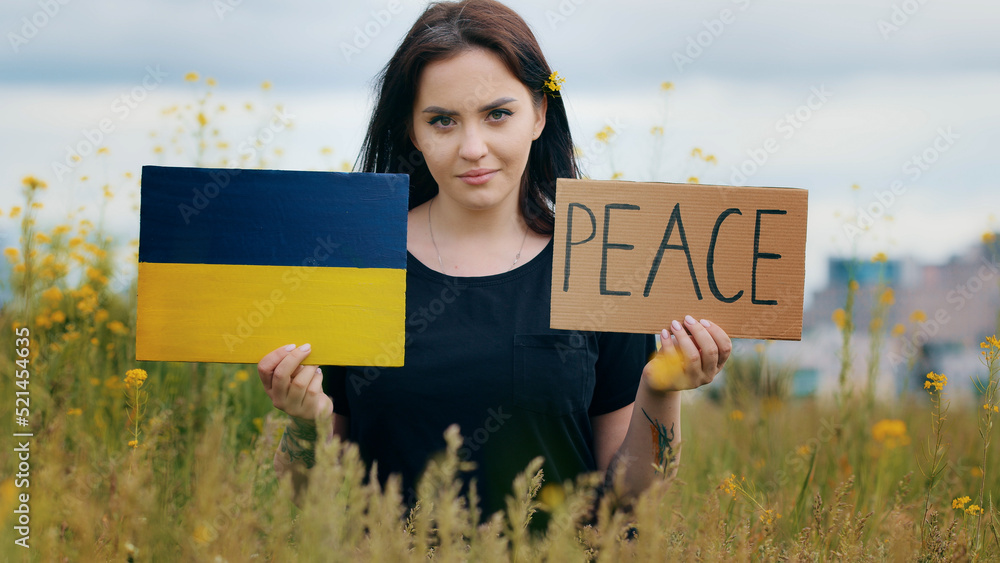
478, 176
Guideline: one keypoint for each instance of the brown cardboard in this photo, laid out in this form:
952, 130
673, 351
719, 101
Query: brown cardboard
616, 234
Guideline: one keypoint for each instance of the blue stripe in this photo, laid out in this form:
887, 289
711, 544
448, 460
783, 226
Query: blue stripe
272, 217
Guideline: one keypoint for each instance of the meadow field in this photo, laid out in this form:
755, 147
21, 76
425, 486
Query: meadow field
142, 461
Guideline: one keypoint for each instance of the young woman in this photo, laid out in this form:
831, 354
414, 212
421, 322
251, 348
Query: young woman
464, 108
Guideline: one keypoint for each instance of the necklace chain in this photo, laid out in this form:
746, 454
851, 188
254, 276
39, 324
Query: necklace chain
430, 227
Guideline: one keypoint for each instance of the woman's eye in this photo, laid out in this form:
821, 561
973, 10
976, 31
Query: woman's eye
442, 120
498, 114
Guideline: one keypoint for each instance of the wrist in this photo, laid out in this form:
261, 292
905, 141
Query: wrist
654, 389
301, 429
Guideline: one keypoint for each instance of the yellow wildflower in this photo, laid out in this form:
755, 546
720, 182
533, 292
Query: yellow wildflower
210, 81
839, 318
880, 257
664, 368
242, 375
58, 317
855, 187
74, 412
888, 297
12, 254
768, 517
656, 130
960, 502
696, 152
666, 86
853, 285
101, 315
202, 120
935, 382
118, 328
898, 330
976, 472
552, 495
692, 180
918, 316
53, 295
135, 378
736, 414
33, 183
191, 77
103, 150
891, 432
133, 444
730, 486
617, 175
974, 510
265, 85
554, 83
989, 238
326, 151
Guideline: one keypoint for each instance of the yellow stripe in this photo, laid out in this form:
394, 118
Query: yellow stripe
226, 313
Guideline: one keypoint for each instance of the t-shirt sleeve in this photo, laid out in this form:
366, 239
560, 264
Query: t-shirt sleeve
620, 360
335, 385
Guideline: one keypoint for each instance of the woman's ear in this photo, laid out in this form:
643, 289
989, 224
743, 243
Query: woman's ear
540, 112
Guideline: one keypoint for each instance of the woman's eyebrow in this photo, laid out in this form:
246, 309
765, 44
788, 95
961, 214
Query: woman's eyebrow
488, 107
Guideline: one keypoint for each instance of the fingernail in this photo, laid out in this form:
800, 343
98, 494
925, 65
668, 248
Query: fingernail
289, 348
305, 347
689, 320
705, 323
319, 371
676, 325
664, 335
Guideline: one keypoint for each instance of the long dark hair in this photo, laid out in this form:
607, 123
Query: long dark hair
443, 30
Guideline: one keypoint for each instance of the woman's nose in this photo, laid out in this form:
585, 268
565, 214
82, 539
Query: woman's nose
473, 144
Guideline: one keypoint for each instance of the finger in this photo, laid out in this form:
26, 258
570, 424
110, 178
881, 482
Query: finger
286, 370
722, 340
265, 367
315, 395
297, 392
686, 346
705, 342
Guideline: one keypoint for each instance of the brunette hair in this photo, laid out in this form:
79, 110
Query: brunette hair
444, 30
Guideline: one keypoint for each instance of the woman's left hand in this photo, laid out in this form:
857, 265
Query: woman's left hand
691, 354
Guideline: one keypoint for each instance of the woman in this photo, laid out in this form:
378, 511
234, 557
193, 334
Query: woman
465, 109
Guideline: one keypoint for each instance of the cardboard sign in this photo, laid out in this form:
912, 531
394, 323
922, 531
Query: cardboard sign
234, 263
632, 257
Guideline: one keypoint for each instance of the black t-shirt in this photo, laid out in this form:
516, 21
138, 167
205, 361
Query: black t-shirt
480, 354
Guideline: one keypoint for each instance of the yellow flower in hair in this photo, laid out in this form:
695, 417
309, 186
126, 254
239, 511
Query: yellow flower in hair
554, 83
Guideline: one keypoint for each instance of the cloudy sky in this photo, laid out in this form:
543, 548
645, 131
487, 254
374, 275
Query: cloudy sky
896, 96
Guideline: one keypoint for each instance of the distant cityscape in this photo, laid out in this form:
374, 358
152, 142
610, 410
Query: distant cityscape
938, 316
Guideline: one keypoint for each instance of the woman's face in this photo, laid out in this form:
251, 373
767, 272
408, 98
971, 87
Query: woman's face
474, 122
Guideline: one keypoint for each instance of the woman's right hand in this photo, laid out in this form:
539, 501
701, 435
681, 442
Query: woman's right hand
293, 388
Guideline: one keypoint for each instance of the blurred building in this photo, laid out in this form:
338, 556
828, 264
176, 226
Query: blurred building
939, 315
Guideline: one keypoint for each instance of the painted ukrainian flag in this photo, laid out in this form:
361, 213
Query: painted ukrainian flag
234, 263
